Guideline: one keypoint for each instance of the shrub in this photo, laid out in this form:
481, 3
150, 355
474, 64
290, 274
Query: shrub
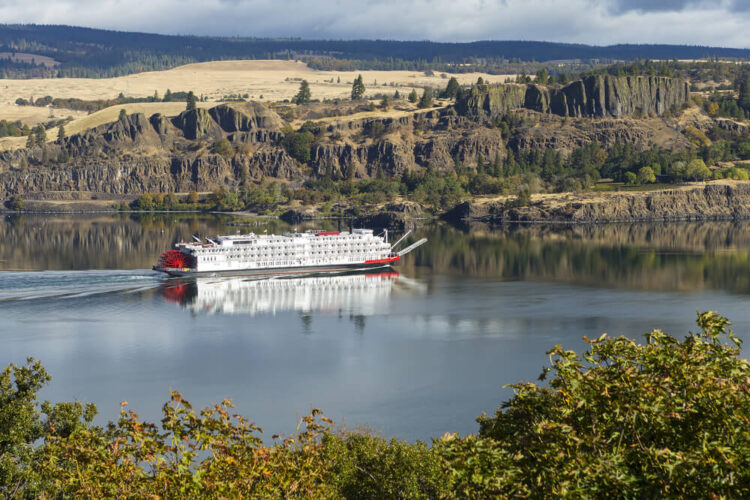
223, 148
16, 203
298, 144
697, 170
646, 175
662, 419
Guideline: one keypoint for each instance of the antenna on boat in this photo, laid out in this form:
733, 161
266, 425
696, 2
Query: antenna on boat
196, 238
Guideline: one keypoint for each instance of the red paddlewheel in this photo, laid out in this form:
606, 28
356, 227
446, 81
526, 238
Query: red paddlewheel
174, 258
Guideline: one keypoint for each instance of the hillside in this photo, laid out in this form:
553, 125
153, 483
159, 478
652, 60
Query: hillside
265, 81
495, 139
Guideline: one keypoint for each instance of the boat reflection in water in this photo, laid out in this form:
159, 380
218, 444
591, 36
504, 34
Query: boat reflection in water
359, 293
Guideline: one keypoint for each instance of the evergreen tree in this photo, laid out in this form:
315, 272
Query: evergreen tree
413, 97
426, 100
451, 90
40, 135
303, 96
123, 114
60, 134
385, 102
396, 95
167, 96
745, 92
358, 89
191, 101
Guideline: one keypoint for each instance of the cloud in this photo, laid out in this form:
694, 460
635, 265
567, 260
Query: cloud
695, 22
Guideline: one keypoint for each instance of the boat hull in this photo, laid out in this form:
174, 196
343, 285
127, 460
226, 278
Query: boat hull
279, 271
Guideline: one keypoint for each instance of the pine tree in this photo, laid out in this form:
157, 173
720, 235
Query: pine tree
744, 101
123, 114
451, 90
303, 96
358, 89
191, 101
40, 135
167, 96
413, 97
396, 95
60, 134
385, 102
426, 100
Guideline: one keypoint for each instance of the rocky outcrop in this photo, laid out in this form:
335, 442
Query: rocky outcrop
197, 124
541, 131
245, 117
733, 126
726, 200
595, 96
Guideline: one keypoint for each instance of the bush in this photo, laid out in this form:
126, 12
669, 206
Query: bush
662, 419
522, 199
697, 170
223, 148
16, 203
646, 175
298, 144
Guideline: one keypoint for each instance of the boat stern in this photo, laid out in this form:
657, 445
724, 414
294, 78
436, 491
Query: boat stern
175, 263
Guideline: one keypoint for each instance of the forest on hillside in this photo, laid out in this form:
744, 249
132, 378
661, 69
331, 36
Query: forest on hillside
87, 52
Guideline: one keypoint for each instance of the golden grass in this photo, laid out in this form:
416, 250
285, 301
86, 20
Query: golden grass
273, 80
263, 81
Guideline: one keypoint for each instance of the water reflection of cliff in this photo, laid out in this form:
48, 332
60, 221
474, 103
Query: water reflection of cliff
352, 294
668, 256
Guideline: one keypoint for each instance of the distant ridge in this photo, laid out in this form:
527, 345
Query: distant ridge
94, 52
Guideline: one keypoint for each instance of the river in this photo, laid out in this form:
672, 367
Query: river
412, 352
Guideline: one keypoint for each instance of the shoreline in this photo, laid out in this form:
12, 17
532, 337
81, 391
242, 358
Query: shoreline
717, 200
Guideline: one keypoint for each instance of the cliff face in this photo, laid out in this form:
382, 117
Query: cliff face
726, 200
594, 97
140, 154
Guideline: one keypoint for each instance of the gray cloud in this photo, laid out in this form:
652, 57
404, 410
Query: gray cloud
664, 5
696, 22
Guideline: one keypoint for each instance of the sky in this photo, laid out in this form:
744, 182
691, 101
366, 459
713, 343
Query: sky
724, 23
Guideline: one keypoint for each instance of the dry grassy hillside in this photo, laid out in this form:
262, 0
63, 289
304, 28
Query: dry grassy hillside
273, 80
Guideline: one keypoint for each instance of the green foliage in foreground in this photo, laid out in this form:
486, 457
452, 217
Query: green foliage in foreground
667, 418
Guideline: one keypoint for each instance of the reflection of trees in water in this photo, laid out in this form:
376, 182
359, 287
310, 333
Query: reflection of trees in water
668, 256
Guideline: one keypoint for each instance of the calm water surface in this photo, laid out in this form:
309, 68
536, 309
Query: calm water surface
412, 352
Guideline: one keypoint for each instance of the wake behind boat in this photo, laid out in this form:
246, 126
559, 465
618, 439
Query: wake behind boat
290, 253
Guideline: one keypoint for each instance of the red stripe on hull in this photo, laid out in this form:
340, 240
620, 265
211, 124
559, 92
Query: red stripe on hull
383, 261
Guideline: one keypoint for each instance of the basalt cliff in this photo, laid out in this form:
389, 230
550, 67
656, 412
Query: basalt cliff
596, 96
